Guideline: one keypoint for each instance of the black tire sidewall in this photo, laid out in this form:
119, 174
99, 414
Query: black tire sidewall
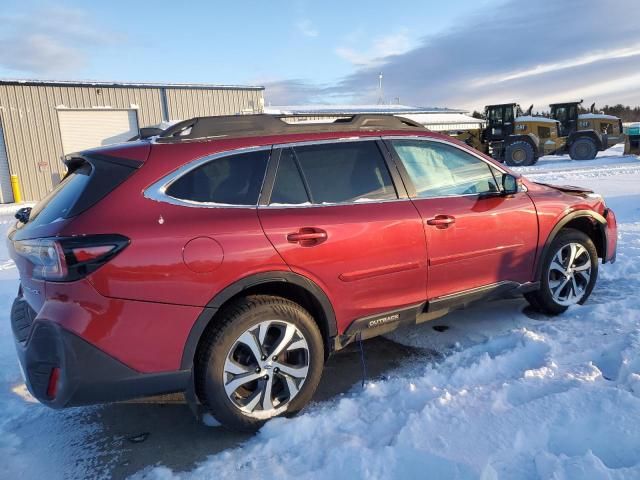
247, 314
585, 140
529, 160
543, 297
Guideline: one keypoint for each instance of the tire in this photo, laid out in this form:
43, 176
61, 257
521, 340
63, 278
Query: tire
260, 324
559, 291
519, 154
583, 148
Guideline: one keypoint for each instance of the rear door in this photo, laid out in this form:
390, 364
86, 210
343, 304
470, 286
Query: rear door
336, 217
475, 236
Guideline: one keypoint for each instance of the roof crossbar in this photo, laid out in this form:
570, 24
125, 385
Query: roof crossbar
265, 124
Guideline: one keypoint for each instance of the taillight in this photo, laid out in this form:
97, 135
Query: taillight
70, 258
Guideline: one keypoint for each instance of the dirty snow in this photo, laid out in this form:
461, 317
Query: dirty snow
502, 392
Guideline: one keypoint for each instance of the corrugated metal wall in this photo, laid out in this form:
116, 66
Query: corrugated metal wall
186, 103
32, 134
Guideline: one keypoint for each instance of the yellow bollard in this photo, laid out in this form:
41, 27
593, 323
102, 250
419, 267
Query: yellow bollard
15, 186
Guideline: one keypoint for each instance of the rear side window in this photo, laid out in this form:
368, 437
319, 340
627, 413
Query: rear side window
230, 180
288, 187
345, 172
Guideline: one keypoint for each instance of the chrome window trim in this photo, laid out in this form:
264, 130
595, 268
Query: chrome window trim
157, 191
322, 205
327, 141
451, 144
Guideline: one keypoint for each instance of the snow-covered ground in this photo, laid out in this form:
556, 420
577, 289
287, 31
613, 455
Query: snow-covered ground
510, 393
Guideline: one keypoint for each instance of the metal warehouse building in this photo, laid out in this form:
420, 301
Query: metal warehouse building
41, 121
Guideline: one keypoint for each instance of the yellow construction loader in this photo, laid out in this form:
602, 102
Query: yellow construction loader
519, 138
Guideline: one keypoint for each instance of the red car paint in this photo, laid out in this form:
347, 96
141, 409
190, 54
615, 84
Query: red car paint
141, 306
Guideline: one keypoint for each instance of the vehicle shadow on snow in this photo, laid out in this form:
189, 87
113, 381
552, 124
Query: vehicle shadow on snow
162, 430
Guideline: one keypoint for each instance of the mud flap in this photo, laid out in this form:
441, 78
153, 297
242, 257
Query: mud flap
192, 400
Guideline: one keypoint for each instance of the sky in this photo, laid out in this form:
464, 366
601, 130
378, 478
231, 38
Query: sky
461, 54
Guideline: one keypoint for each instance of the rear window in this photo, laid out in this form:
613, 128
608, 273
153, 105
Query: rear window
57, 205
230, 180
89, 180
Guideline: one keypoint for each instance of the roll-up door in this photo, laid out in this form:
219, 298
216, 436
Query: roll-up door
83, 129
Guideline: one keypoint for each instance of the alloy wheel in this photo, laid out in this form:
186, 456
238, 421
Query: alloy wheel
266, 368
569, 274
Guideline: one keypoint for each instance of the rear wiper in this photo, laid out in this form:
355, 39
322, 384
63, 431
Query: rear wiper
23, 214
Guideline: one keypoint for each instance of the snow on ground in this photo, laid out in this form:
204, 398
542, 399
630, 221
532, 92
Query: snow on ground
508, 393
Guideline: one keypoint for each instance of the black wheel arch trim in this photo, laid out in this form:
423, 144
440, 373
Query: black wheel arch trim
601, 222
209, 311
592, 134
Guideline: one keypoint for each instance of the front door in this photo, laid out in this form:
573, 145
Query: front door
335, 217
475, 235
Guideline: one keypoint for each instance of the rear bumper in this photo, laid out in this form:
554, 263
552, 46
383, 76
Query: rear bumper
86, 374
611, 236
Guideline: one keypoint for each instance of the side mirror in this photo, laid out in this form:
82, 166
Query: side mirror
509, 184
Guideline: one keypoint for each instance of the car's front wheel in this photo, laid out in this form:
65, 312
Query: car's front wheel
569, 273
263, 360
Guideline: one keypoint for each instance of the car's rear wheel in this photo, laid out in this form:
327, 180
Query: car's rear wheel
263, 360
569, 273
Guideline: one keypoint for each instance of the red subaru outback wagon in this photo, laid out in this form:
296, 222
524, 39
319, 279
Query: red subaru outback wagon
229, 256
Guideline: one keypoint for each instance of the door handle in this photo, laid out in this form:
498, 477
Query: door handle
441, 221
307, 236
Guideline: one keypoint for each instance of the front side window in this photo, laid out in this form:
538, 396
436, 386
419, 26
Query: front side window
560, 114
440, 170
343, 173
230, 180
508, 114
495, 115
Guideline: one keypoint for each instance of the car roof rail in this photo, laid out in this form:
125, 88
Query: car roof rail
266, 124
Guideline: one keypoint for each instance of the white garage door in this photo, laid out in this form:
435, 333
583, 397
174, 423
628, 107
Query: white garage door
6, 194
83, 129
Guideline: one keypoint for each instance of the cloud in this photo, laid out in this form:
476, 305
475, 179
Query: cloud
299, 92
378, 52
527, 52
50, 41
306, 28
524, 52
